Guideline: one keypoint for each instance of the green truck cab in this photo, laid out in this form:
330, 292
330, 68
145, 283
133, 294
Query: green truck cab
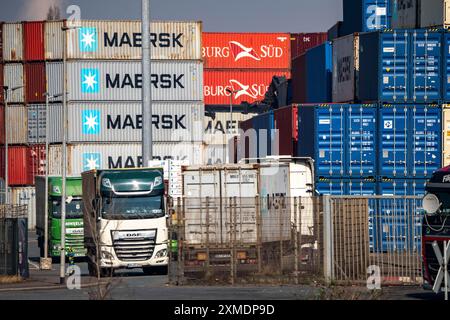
74, 215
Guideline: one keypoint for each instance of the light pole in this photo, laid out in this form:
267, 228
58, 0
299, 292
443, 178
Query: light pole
147, 138
62, 267
45, 261
231, 92
6, 90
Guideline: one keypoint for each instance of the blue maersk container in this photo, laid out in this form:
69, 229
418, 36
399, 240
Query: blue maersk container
401, 66
319, 69
264, 125
409, 141
366, 15
341, 138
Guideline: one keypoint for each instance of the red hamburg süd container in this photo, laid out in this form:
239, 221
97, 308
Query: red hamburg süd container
19, 166
37, 154
252, 84
35, 82
33, 40
299, 79
300, 42
246, 50
287, 125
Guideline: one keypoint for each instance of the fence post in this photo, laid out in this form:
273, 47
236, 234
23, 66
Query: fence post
208, 271
296, 231
327, 239
258, 233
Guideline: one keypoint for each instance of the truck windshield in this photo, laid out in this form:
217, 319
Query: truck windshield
122, 208
74, 209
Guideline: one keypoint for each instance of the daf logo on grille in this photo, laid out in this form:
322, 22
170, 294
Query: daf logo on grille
133, 235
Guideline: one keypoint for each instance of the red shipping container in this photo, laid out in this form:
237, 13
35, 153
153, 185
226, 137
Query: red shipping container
2, 124
19, 166
246, 50
1, 83
253, 85
299, 79
300, 42
35, 82
33, 40
37, 154
286, 122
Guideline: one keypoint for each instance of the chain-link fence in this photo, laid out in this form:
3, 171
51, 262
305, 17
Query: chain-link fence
292, 240
13, 240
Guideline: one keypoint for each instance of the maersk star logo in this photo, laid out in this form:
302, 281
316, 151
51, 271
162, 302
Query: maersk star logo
89, 80
91, 121
91, 161
87, 39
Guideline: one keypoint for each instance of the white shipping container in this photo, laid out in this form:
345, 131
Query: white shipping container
122, 40
435, 13
36, 123
405, 14
122, 80
13, 78
26, 196
12, 42
345, 68
218, 130
216, 154
17, 124
122, 121
84, 157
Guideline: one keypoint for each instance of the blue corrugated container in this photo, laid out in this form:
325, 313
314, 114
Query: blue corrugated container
395, 229
366, 15
319, 71
341, 138
409, 140
446, 69
401, 66
264, 125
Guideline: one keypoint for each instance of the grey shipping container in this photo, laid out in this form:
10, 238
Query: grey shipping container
84, 157
405, 14
122, 121
17, 124
36, 123
13, 76
26, 196
12, 41
345, 68
122, 80
434, 13
122, 40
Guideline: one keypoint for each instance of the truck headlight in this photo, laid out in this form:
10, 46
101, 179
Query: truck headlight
161, 253
107, 256
106, 183
158, 181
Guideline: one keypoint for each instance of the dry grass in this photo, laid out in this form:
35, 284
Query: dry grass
10, 279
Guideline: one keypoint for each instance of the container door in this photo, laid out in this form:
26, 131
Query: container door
335, 187
426, 66
394, 66
446, 63
330, 135
202, 214
361, 147
376, 15
393, 135
426, 133
446, 136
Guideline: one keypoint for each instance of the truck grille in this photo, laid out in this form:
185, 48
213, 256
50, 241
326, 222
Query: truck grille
134, 249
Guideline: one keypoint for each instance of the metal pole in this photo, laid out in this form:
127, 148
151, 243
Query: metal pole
327, 239
62, 269
6, 148
46, 179
445, 271
147, 139
231, 114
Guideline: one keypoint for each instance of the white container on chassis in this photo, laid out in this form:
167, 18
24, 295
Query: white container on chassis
245, 182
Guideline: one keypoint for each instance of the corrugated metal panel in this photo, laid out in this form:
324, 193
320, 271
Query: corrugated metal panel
2, 124
82, 157
122, 80
54, 40
216, 154
17, 124
446, 67
335, 31
434, 13
286, 122
1, 82
446, 135
345, 68
14, 77
1, 41
33, 40
361, 141
300, 42
299, 82
26, 196
12, 42
36, 123
405, 14
37, 162
264, 125
319, 70
122, 122
122, 40
246, 50
35, 82
410, 140
19, 166
366, 15
253, 85
218, 130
